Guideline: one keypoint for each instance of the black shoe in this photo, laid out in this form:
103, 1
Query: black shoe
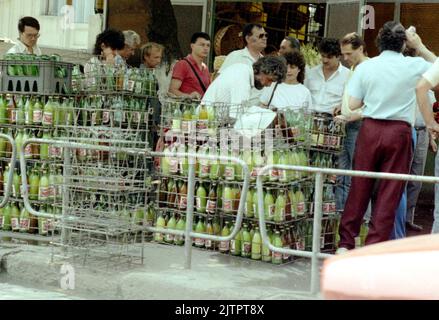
413, 227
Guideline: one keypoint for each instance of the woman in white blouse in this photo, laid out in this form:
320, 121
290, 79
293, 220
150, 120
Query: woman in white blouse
290, 94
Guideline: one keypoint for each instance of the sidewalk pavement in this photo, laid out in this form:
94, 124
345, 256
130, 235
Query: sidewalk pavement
162, 276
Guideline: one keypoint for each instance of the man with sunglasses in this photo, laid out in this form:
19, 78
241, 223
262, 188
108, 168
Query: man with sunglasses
28, 29
255, 40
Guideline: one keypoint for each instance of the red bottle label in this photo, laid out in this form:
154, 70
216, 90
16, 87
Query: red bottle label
15, 224
224, 246
24, 224
228, 205
47, 118
183, 202
211, 206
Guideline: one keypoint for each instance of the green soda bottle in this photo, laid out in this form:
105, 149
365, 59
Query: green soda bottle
172, 225
269, 205
6, 221
16, 182
19, 141
44, 148
37, 112
29, 111
24, 220
276, 257
280, 205
228, 199
3, 143
15, 218
3, 110
236, 244
214, 172
224, 246
44, 187
209, 230
249, 209
246, 242
48, 113
34, 184
201, 199
28, 148
199, 242
160, 223
20, 116
181, 225
256, 245
266, 253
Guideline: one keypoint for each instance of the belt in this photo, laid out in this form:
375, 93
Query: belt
420, 128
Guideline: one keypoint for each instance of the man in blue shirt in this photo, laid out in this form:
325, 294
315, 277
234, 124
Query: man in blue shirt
386, 85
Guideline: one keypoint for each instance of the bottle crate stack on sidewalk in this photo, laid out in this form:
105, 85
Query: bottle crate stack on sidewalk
287, 195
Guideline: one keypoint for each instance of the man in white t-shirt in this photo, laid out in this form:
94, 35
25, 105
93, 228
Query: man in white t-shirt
28, 29
234, 85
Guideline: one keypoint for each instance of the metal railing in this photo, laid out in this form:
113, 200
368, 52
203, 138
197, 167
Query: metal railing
188, 233
7, 190
315, 254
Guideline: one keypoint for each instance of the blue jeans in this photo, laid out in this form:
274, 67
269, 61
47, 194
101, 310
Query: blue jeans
400, 216
345, 160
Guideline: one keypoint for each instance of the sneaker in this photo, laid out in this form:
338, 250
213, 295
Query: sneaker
341, 250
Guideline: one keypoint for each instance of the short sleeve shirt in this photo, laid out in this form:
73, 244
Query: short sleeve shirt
326, 94
386, 84
231, 87
189, 82
287, 96
19, 47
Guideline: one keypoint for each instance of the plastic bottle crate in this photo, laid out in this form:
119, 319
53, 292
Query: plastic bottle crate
38, 77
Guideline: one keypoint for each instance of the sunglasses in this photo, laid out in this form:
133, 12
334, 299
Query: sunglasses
263, 35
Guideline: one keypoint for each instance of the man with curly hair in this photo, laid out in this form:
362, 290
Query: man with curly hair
326, 81
385, 85
234, 85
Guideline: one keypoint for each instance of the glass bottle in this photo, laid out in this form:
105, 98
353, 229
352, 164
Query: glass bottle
181, 226
212, 197
199, 242
224, 246
256, 245
276, 257
37, 112
171, 225
269, 205
48, 112
246, 242
236, 244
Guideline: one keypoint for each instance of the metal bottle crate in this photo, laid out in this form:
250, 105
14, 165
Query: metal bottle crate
47, 80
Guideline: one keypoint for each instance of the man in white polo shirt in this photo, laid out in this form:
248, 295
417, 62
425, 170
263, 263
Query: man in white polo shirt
386, 86
327, 80
29, 32
235, 84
